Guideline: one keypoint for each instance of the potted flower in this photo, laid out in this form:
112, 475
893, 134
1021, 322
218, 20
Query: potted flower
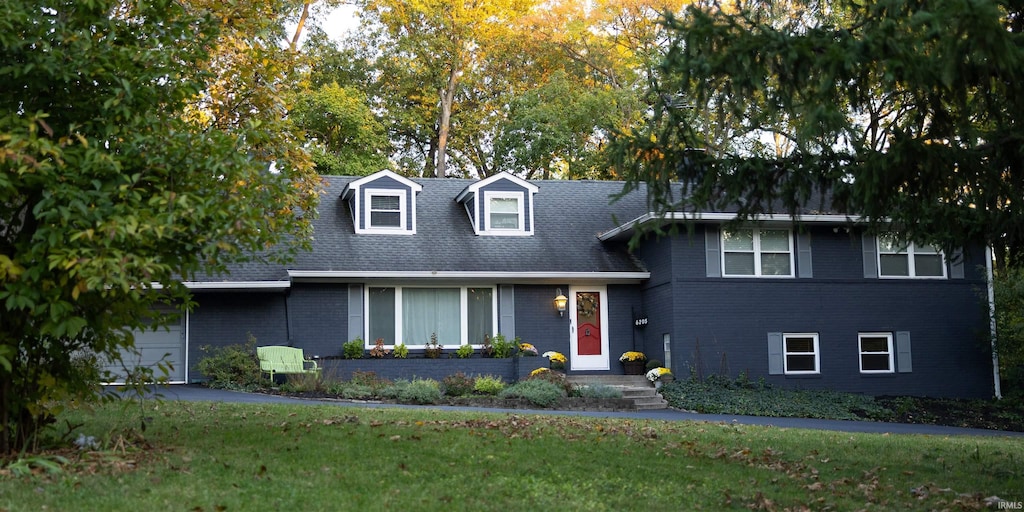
659, 376
633, 362
557, 359
527, 349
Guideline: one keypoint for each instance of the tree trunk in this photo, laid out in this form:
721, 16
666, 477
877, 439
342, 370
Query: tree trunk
444, 126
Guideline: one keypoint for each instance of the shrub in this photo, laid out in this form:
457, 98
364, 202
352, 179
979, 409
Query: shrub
458, 384
652, 364
369, 379
378, 351
303, 382
356, 392
464, 351
557, 378
538, 392
420, 391
232, 366
502, 347
599, 391
432, 350
489, 385
353, 349
401, 351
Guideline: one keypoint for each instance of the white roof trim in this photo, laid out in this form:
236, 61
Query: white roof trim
721, 217
504, 277
237, 285
416, 187
503, 175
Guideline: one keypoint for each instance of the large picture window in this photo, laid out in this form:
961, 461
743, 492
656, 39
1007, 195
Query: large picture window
411, 315
801, 353
757, 252
899, 258
875, 352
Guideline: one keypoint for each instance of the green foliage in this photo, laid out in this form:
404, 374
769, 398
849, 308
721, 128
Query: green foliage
110, 183
652, 364
232, 366
598, 391
458, 384
432, 349
488, 385
401, 351
1009, 311
502, 347
304, 383
557, 378
904, 112
416, 391
464, 351
537, 391
345, 138
353, 349
720, 395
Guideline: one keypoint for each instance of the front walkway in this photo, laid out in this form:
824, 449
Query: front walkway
200, 393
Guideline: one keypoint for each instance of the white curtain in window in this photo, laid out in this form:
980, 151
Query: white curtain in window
431, 310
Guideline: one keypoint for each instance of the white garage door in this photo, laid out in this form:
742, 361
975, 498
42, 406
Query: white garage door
166, 344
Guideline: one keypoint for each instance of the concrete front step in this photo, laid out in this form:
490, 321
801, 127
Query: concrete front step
634, 387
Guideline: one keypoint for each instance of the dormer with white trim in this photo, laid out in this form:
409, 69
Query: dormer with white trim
501, 205
383, 203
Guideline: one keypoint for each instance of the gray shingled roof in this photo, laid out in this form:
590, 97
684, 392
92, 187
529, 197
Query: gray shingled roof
568, 216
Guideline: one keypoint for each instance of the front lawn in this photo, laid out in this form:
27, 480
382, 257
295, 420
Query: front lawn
215, 456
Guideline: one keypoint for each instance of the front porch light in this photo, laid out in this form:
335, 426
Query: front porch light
560, 302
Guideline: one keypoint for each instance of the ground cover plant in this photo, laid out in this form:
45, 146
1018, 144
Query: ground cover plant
220, 456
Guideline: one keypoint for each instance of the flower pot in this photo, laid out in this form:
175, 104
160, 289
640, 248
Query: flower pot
633, 367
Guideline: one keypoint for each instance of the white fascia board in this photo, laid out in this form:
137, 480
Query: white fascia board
722, 217
237, 285
503, 277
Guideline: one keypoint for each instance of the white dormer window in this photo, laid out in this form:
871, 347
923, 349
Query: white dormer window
504, 212
382, 203
501, 205
387, 209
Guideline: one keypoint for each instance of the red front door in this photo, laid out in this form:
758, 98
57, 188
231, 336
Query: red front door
588, 320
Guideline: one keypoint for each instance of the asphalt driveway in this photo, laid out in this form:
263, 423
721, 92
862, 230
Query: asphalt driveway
200, 393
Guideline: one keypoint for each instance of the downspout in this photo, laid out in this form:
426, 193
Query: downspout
287, 318
992, 320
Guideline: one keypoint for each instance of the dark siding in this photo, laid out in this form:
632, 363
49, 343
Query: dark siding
537, 321
222, 319
318, 314
720, 325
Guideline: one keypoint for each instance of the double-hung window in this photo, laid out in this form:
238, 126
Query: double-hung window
876, 354
801, 353
898, 258
505, 212
757, 252
412, 314
387, 209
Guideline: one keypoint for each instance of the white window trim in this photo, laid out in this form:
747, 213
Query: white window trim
402, 228
463, 312
757, 254
485, 222
860, 351
786, 353
911, 269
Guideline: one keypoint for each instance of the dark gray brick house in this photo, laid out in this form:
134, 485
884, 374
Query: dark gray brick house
811, 304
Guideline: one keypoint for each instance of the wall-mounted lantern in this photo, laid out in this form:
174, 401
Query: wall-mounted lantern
560, 302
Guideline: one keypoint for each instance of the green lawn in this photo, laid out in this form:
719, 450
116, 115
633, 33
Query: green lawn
199, 456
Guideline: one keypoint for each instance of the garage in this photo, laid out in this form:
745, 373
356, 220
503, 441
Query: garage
153, 346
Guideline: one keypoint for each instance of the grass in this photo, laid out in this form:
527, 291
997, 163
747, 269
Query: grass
216, 456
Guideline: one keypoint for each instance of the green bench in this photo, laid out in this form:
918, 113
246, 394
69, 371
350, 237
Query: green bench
276, 360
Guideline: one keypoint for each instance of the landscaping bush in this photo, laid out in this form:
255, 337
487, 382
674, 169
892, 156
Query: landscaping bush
417, 391
354, 391
598, 391
352, 349
370, 380
489, 385
502, 347
458, 384
720, 395
232, 366
303, 383
537, 391
557, 378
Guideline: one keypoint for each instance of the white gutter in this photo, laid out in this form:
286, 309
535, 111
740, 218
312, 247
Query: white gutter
725, 217
992, 320
505, 277
237, 285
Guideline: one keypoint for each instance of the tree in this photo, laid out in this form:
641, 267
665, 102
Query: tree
906, 112
107, 187
344, 136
